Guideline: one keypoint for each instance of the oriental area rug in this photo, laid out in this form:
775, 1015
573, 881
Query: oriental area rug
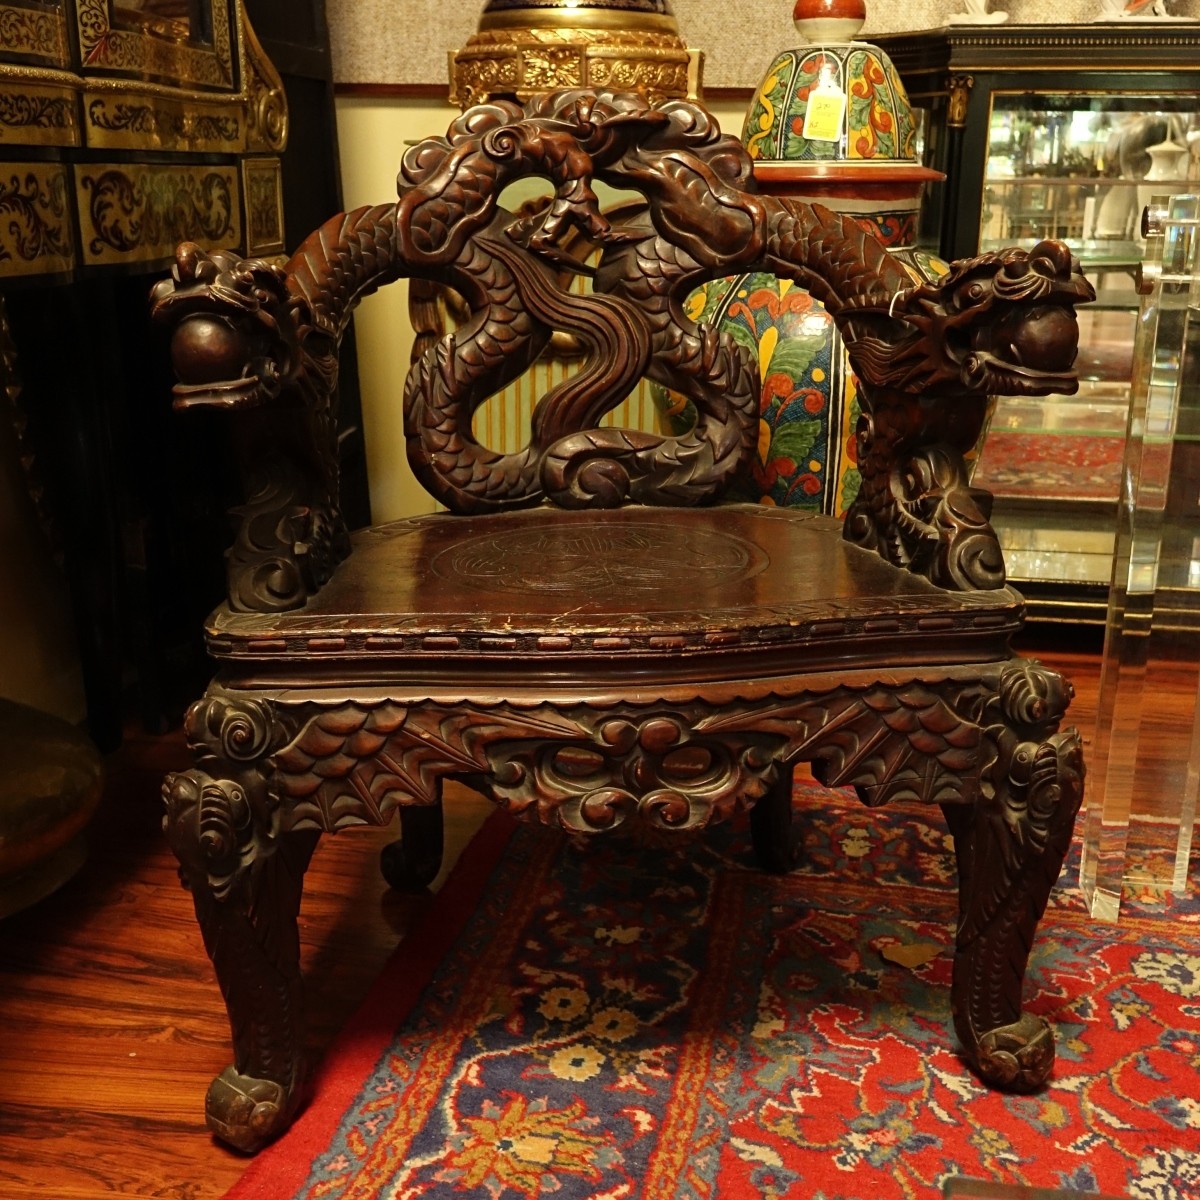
613, 1019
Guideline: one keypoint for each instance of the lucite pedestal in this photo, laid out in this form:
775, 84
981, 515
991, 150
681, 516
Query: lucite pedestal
1144, 765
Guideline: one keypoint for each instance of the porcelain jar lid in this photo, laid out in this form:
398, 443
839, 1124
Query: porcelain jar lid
833, 108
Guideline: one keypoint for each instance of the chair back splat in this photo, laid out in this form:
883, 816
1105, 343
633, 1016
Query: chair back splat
590, 636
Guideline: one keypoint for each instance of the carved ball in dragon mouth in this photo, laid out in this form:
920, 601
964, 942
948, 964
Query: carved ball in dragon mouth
207, 349
1042, 338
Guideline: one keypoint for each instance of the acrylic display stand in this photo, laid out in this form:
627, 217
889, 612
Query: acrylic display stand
1144, 765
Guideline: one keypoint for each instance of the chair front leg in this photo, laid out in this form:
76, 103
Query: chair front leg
246, 880
1010, 848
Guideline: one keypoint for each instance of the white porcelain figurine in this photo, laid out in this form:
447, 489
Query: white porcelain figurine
977, 14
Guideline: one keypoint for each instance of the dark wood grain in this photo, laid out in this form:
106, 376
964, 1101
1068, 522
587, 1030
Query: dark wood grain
660, 659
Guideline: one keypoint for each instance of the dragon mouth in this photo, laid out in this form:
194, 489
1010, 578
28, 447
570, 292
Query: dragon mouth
999, 375
1028, 350
248, 392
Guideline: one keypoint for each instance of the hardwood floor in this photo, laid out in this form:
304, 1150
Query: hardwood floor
111, 1025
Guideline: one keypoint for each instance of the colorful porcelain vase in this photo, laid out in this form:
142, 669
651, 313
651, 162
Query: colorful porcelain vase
830, 123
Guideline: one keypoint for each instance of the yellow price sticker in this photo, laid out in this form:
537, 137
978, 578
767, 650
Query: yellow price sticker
823, 117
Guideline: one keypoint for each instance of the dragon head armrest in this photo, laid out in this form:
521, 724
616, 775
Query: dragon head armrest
235, 341
1003, 323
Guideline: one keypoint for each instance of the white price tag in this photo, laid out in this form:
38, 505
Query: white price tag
826, 108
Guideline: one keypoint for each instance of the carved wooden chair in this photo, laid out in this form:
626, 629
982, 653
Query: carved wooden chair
588, 637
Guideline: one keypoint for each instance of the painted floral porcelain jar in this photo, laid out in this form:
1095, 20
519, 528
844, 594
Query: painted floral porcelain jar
829, 123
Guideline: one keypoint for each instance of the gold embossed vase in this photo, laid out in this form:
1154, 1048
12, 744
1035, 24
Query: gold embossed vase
523, 47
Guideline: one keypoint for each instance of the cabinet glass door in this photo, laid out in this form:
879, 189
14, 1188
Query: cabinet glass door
1080, 167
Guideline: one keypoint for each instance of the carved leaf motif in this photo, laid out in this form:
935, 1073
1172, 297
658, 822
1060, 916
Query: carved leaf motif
28, 31
133, 51
32, 212
39, 112
154, 207
914, 743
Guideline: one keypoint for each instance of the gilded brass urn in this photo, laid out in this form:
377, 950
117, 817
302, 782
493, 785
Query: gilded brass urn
523, 47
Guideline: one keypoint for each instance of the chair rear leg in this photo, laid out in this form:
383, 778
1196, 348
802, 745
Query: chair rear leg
775, 832
1010, 848
246, 885
412, 863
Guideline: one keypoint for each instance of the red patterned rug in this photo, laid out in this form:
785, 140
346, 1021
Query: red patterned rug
612, 1020
1073, 466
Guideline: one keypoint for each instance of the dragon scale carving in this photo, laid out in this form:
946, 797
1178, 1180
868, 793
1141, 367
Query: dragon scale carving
251, 336
352, 762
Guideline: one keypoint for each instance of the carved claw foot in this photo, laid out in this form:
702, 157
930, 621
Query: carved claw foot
412, 863
1014, 1058
1010, 848
246, 877
248, 1113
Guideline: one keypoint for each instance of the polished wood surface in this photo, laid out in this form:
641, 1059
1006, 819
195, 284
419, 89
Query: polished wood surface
596, 593
111, 1025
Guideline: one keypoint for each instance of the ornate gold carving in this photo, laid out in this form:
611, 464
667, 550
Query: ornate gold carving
33, 115
138, 121
552, 67
103, 45
141, 212
960, 95
34, 32
474, 79
263, 190
640, 75
524, 61
266, 102
35, 221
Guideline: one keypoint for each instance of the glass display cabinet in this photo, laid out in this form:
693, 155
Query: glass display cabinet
1065, 132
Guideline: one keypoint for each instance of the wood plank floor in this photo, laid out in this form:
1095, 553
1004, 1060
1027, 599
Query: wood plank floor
111, 1025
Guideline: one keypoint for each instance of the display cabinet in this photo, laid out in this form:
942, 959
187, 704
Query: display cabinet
1065, 132
126, 126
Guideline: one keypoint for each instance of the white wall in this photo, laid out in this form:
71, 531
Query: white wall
372, 135
381, 41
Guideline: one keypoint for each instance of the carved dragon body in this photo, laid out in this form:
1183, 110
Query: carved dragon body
250, 336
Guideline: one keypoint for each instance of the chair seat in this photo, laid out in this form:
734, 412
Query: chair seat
720, 585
